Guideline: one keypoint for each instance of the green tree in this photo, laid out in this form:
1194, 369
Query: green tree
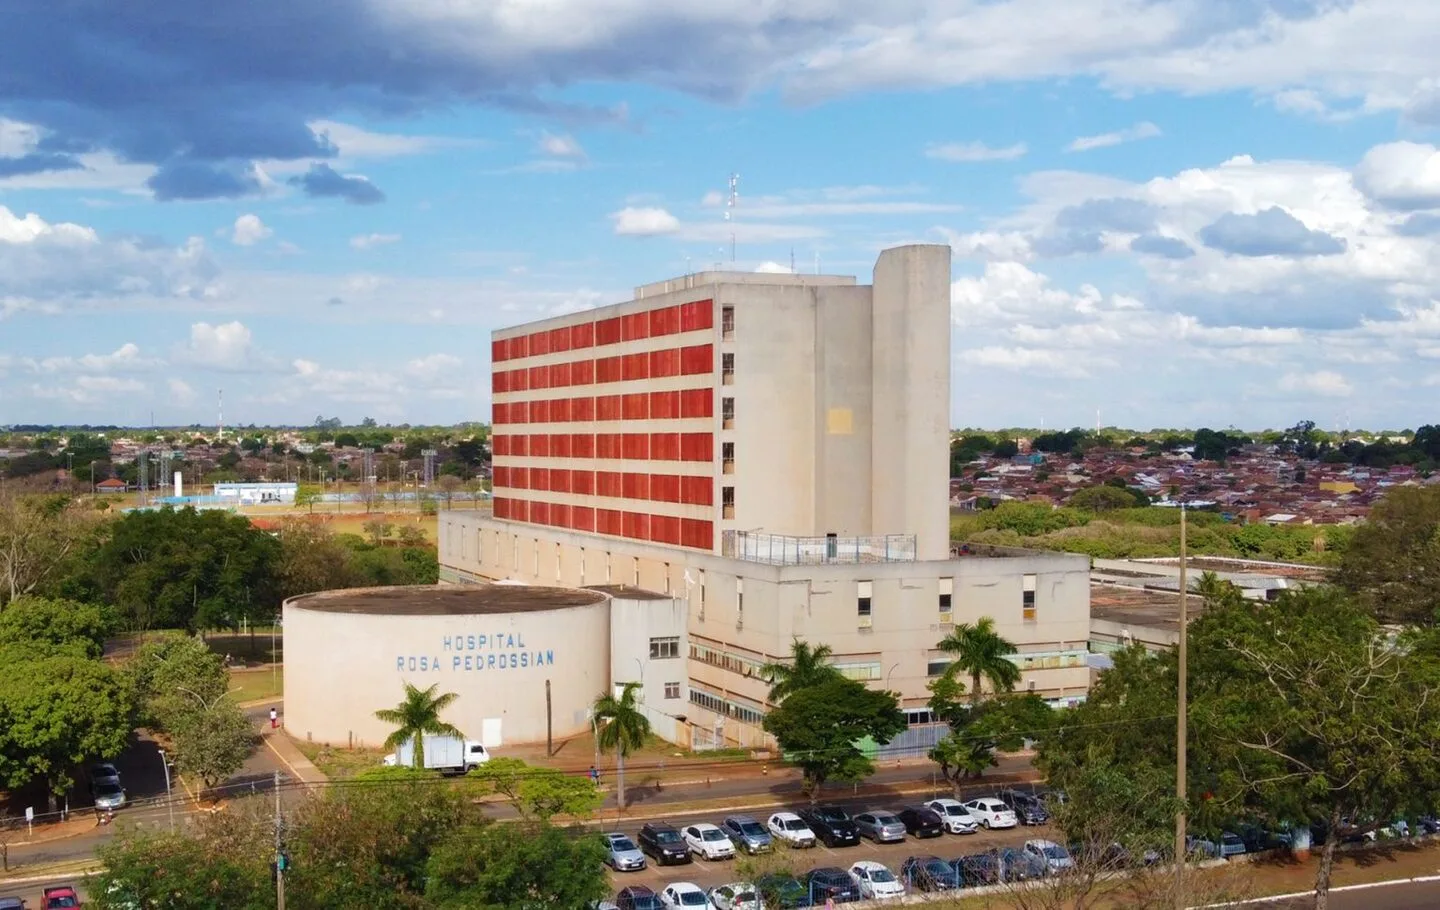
306, 496
181, 872
58, 622
1392, 563
501, 868
538, 793
41, 538
984, 654
313, 559
212, 742
415, 717
808, 666
820, 728
1102, 498
622, 727
977, 733
170, 674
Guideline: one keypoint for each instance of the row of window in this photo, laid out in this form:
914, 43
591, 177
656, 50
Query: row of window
690, 360
682, 489
682, 404
661, 321
750, 714
617, 446
681, 532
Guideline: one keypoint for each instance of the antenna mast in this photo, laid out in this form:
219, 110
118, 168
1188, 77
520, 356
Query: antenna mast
220, 414
730, 202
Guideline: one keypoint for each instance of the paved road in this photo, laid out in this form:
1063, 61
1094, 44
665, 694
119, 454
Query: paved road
1419, 896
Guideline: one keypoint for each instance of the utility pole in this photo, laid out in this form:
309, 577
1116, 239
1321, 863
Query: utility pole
549, 730
280, 860
1181, 724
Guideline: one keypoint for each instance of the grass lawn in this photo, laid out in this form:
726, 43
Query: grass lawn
339, 763
259, 647
253, 685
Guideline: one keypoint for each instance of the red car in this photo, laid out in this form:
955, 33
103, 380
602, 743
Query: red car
61, 898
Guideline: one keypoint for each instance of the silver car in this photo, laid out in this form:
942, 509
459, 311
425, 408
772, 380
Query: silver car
747, 833
881, 827
108, 795
621, 853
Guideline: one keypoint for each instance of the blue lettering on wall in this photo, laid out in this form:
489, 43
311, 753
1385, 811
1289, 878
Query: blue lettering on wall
506, 652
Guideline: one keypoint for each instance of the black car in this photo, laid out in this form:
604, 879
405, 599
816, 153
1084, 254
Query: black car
638, 897
828, 882
921, 822
1029, 809
977, 869
664, 843
782, 891
930, 873
832, 825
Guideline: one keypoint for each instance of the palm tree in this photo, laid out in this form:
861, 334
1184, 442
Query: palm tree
980, 651
622, 727
416, 716
807, 666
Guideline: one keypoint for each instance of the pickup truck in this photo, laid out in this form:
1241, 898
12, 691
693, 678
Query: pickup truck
62, 897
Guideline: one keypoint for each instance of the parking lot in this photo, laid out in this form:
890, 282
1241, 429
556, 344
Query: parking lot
710, 873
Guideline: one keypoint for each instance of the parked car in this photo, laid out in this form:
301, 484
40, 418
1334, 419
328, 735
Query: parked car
1101, 856
736, 896
62, 897
12, 903
977, 869
929, 873
1028, 809
1019, 866
663, 843
638, 897
708, 841
881, 827
621, 853
832, 825
876, 881
602, 905
921, 821
991, 812
953, 814
830, 883
109, 795
1055, 857
1231, 844
782, 891
687, 895
791, 828
1202, 848
746, 833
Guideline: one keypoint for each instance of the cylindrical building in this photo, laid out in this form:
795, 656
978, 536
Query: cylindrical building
349, 653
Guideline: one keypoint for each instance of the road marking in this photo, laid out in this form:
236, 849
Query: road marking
298, 776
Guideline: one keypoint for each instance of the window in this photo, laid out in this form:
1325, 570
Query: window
635, 565
727, 369
727, 457
727, 323
727, 502
608, 563
667, 578
864, 593
860, 671
672, 690
557, 563
937, 667
727, 413
1027, 598
739, 600
947, 588
664, 648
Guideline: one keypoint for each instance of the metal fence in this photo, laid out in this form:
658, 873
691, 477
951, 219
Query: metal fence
782, 550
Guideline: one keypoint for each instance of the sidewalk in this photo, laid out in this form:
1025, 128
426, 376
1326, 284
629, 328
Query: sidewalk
300, 768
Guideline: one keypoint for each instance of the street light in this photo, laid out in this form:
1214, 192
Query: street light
887, 675
169, 803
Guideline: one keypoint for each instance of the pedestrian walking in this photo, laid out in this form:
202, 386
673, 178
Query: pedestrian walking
274, 719
594, 775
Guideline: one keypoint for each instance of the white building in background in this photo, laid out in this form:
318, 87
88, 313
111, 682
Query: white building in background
256, 494
773, 450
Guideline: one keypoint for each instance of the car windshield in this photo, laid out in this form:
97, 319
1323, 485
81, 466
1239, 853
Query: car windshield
955, 810
938, 867
751, 828
107, 789
1054, 851
881, 875
692, 898
794, 824
1230, 839
712, 834
744, 897
647, 902
622, 843
883, 819
833, 815
667, 837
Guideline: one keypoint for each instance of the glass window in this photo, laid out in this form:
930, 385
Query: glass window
672, 690
664, 648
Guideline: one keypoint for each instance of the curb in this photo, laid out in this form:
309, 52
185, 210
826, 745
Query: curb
83, 872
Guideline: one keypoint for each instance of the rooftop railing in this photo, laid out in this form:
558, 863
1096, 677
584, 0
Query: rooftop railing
784, 550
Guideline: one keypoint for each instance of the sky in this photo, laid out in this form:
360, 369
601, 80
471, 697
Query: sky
1164, 213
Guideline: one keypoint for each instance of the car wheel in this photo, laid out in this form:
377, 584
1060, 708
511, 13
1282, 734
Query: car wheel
986, 823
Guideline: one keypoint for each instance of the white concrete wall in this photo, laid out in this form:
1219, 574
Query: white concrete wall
911, 363
633, 622
342, 667
843, 425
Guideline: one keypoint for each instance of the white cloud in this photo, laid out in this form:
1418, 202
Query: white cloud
126, 358
433, 367
249, 230
219, 347
1325, 383
366, 241
1142, 130
713, 199
355, 142
180, 392
33, 228
1405, 175
974, 151
644, 222
90, 390
774, 268
561, 145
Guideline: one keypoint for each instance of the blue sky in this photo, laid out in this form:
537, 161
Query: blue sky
1169, 212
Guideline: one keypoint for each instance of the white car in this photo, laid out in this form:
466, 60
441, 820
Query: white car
736, 896
708, 841
685, 894
953, 814
1054, 856
875, 881
789, 827
991, 812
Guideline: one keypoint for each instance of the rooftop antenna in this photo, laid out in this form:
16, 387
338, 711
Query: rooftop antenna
730, 211
220, 414
792, 260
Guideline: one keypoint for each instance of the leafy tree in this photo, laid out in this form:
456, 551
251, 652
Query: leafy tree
57, 622
213, 742
415, 717
1102, 498
818, 728
622, 727
170, 674
347, 440
180, 872
312, 559
449, 485
501, 868
40, 539
378, 530
977, 733
1392, 563
984, 654
808, 666
539, 793
306, 496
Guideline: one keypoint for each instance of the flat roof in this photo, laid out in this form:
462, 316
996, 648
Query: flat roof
446, 600
1139, 607
630, 592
